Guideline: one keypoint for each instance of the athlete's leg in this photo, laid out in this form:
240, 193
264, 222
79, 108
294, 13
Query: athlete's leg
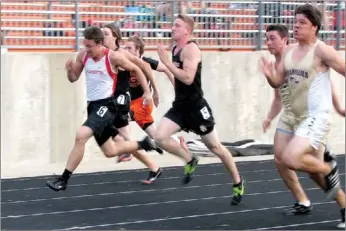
212, 141
111, 149
76, 155
150, 130
141, 155
170, 124
297, 156
142, 115
124, 134
99, 117
320, 181
166, 128
83, 135
340, 196
290, 178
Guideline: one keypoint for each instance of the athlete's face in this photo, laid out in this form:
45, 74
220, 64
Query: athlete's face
303, 28
93, 50
179, 29
274, 42
131, 47
109, 38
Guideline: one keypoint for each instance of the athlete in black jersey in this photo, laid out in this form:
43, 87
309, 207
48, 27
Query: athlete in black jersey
190, 111
112, 40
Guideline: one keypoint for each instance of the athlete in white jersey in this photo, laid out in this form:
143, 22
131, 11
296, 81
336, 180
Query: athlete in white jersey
103, 103
277, 40
304, 68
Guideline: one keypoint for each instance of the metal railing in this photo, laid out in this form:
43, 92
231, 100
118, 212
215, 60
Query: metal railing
219, 24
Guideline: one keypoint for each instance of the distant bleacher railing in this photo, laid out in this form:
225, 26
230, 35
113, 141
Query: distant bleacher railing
227, 25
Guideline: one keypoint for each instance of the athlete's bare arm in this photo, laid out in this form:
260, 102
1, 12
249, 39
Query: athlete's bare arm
275, 78
162, 68
336, 101
276, 106
275, 74
118, 58
274, 110
190, 56
331, 58
75, 68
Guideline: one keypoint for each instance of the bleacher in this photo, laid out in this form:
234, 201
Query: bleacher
27, 25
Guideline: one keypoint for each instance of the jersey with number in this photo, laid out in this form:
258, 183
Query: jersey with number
309, 91
187, 93
100, 78
136, 90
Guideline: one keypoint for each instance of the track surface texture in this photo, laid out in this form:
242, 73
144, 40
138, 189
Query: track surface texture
118, 200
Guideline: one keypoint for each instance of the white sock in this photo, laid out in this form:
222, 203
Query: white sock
305, 203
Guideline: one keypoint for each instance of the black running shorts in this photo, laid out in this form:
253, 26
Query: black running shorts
196, 117
101, 115
123, 104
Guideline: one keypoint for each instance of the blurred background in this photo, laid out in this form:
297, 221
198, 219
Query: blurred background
220, 25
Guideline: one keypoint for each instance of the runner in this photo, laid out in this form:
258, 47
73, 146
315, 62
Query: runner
306, 94
103, 102
190, 111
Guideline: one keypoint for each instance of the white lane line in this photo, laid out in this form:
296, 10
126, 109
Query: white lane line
184, 217
132, 181
131, 170
240, 163
143, 204
297, 225
138, 191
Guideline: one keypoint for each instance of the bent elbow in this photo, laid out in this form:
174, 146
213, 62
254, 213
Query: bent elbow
188, 81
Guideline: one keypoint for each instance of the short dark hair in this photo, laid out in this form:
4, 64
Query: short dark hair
312, 13
281, 29
94, 33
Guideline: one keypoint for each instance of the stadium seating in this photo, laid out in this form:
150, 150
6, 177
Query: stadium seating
26, 24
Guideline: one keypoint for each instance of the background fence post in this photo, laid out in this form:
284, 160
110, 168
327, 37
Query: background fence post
77, 25
260, 23
338, 25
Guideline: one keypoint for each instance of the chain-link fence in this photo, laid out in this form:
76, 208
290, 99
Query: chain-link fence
46, 25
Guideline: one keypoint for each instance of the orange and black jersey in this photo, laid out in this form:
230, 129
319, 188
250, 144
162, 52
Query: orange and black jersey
136, 90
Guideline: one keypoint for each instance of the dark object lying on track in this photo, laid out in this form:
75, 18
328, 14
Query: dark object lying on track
248, 147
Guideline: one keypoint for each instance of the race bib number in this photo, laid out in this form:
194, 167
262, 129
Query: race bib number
121, 99
102, 111
205, 113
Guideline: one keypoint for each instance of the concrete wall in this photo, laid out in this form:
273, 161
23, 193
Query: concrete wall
41, 109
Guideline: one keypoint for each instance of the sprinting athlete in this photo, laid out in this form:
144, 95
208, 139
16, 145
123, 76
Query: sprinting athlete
190, 111
302, 76
99, 62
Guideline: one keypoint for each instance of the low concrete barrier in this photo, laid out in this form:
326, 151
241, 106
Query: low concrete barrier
41, 109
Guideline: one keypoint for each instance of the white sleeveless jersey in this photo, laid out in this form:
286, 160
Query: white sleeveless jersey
100, 79
307, 91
